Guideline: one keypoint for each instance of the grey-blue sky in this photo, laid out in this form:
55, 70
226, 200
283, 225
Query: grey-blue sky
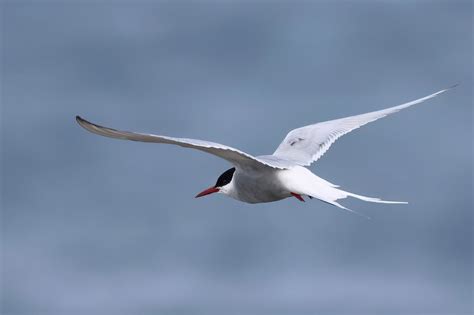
95, 225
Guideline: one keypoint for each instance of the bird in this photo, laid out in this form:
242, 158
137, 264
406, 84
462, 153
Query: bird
283, 174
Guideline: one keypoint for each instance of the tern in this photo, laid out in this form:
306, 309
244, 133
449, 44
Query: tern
283, 174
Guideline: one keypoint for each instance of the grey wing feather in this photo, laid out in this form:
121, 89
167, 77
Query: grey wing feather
306, 145
234, 156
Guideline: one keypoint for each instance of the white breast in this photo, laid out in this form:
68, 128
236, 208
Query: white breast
256, 187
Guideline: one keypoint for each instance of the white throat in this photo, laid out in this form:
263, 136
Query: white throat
229, 189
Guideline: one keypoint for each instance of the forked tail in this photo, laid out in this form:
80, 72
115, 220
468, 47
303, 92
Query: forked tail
312, 185
373, 199
341, 194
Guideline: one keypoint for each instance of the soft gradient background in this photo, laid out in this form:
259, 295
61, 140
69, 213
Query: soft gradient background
92, 225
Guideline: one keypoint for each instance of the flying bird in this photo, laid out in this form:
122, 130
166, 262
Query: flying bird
283, 174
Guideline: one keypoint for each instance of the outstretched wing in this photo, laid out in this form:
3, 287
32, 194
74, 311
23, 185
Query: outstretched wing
306, 145
234, 156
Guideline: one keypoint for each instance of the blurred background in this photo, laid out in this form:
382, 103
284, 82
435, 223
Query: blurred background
92, 225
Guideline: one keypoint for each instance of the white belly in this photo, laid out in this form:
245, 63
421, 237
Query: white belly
256, 187
273, 185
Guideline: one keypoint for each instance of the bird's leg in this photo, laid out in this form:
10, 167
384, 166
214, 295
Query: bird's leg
297, 196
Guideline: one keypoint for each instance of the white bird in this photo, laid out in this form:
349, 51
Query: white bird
266, 178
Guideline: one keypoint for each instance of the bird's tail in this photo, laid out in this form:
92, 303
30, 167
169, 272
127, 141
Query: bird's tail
338, 194
312, 185
373, 199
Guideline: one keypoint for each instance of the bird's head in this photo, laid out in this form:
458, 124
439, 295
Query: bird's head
222, 185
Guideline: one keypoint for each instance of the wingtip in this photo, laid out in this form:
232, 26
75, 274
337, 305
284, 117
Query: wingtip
451, 87
445, 90
81, 121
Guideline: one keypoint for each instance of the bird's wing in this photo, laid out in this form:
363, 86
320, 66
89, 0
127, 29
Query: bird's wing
306, 145
234, 156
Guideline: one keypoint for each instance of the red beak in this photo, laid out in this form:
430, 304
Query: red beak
208, 191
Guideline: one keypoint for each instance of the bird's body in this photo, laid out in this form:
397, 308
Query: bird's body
273, 184
255, 187
267, 178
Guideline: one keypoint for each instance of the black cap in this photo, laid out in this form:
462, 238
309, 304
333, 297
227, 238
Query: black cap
225, 178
